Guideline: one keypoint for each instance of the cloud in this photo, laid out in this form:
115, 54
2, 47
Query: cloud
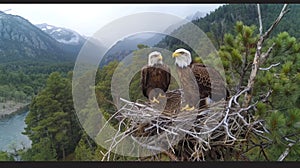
88, 18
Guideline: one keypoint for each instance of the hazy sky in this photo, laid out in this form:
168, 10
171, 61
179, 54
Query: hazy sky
86, 19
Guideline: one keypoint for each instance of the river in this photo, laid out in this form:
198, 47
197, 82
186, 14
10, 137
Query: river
11, 133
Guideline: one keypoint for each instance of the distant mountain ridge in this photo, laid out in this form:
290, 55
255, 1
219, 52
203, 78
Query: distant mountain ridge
196, 15
21, 40
124, 47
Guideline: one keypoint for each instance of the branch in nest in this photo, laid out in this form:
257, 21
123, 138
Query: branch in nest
235, 97
220, 124
171, 156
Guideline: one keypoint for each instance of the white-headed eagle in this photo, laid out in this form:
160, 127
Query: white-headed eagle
209, 82
155, 77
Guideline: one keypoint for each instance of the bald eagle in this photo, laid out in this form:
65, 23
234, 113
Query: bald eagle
204, 80
155, 77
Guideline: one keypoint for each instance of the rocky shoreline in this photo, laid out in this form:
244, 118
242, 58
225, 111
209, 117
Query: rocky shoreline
17, 109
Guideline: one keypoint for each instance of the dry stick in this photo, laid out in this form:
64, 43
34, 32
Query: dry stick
112, 146
263, 152
265, 99
286, 152
170, 155
260, 21
273, 65
266, 55
258, 53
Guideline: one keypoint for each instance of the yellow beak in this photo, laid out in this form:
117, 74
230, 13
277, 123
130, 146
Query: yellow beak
175, 54
160, 57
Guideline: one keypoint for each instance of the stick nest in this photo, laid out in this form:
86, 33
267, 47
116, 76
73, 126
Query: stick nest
215, 132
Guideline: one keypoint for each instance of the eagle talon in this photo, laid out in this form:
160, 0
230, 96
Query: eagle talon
187, 108
160, 95
154, 100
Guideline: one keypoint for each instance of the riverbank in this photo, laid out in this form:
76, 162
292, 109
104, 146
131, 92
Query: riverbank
11, 108
11, 129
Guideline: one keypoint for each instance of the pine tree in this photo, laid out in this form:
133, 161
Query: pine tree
237, 55
41, 151
84, 150
52, 116
281, 110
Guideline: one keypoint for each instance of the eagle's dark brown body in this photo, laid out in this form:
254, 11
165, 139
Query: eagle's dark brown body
157, 76
209, 83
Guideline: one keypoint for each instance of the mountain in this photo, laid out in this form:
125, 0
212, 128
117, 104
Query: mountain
130, 43
195, 16
62, 35
21, 40
125, 46
70, 39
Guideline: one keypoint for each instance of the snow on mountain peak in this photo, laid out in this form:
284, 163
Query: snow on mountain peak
62, 35
49, 27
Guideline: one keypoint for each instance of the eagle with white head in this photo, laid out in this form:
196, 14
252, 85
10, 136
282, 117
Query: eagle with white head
209, 83
155, 77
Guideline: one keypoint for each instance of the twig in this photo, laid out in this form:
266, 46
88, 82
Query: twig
147, 146
238, 95
126, 101
171, 155
268, 68
259, 19
284, 10
290, 140
263, 151
265, 99
286, 152
267, 54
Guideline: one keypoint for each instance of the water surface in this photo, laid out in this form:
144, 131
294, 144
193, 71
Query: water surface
10, 133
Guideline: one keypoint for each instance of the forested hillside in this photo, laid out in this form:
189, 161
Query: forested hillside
223, 19
20, 81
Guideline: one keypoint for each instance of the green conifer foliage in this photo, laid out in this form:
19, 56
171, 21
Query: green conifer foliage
52, 120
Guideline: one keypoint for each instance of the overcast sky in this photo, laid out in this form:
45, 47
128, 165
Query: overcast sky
86, 19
